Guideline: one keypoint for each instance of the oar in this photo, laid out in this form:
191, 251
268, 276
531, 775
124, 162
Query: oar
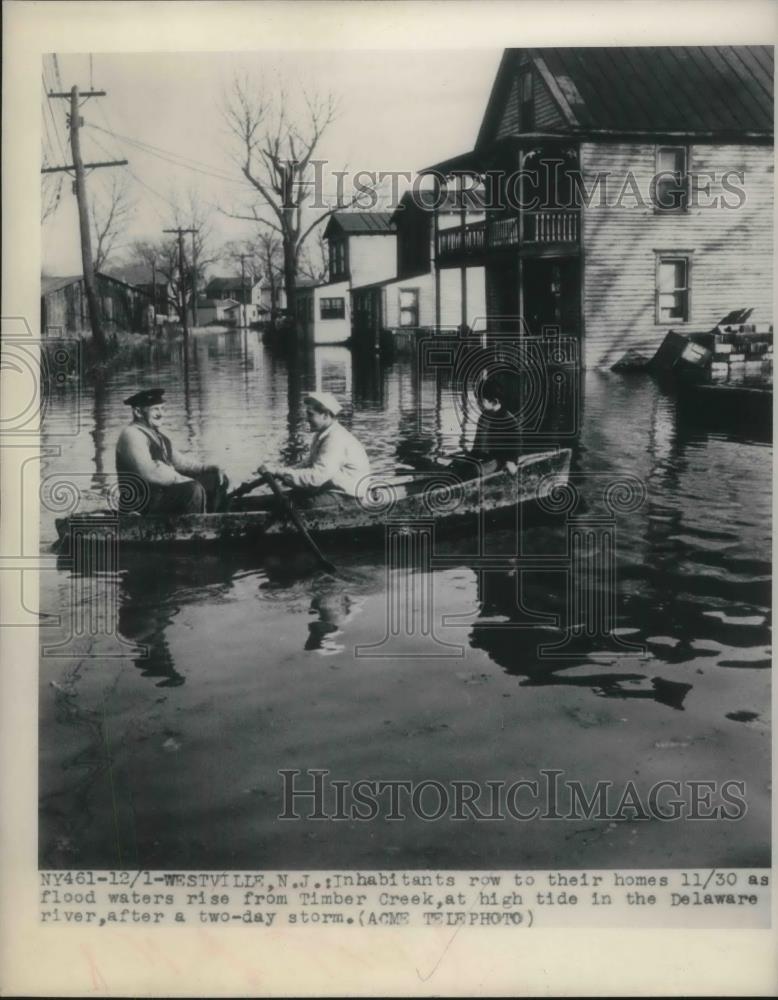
244, 488
290, 509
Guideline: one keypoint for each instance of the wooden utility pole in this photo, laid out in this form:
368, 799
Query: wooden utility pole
194, 278
243, 257
182, 274
154, 293
78, 166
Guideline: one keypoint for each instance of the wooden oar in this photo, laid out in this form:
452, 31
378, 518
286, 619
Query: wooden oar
244, 488
295, 518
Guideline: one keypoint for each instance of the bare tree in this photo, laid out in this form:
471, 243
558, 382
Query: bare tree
109, 214
271, 261
189, 212
275, 156
314, 262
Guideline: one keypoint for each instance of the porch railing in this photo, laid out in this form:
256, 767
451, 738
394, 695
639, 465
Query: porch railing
477, 238
551, 227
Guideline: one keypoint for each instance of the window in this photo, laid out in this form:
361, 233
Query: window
671, 183
526, 110
333, 308
409, 307
337, 258
672, 288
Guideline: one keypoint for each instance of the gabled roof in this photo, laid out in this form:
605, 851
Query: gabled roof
452, 202
50, 283
134, 274
360, 223
225, 284
702, 90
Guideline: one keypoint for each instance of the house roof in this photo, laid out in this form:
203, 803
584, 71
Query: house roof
360, 223
707, 90
453, 201
51, 283
134, 274
396, 280
225, 284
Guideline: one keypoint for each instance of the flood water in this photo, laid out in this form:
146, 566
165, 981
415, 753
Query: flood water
162, 737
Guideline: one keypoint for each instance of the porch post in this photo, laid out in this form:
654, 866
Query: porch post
520, 231
436, 190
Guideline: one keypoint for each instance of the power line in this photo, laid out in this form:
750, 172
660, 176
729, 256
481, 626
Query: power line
175, 159
60, 143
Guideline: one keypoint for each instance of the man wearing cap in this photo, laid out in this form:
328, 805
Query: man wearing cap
154, 478
337, 461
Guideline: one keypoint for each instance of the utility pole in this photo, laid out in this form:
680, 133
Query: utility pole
154, 293
78, 166
182, 274
243, 257
194, 278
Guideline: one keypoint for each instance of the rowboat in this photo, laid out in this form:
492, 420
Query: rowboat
440, 496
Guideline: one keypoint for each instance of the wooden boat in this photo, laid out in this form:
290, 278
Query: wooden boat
440, 496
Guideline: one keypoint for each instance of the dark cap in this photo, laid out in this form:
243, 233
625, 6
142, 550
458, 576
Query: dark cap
146, 397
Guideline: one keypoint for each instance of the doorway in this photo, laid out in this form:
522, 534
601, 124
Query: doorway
552, 294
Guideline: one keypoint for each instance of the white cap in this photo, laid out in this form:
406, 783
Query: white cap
326, 401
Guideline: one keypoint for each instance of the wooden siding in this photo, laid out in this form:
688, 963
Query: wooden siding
508, 122
548, 117
64, 311
731, 250
331, 331
425, 286
372, 258
451, 296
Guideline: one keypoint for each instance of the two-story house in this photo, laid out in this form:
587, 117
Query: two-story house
231, 299
362, 249
628, 191
418, 294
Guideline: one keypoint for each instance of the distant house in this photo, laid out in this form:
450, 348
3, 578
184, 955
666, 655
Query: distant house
362, 248
273, 298
65, 313
152, 283
418, 295
323, 314
217, 311
232, 289
630, 191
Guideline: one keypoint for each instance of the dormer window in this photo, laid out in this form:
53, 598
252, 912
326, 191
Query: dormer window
526, 109
671, 183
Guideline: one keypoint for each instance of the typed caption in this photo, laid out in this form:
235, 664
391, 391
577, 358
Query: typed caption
476, 899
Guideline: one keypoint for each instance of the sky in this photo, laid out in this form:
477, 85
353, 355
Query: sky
398, 111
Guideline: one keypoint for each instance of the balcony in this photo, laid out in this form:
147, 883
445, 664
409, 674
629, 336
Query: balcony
471, 243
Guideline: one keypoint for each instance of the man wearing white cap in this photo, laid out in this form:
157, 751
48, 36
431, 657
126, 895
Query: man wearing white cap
337, 461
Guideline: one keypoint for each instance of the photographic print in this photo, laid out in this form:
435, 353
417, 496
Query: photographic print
373, 502
403, 485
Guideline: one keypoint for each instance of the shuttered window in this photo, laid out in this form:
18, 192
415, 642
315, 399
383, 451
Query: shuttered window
672, 289
527, 110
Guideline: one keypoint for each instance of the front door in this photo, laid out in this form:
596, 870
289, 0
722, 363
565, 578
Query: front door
366, 317
552, 295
